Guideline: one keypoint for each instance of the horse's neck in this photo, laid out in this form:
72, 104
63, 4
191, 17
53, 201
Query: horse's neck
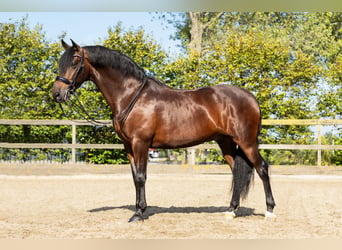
115, 88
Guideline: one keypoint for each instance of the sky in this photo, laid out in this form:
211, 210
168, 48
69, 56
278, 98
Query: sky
88, 28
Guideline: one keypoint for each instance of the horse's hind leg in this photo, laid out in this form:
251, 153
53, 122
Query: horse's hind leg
261, 167
242, 172
228, 148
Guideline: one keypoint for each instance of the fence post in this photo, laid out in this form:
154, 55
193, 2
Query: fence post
319, 143
191, 156
73, 142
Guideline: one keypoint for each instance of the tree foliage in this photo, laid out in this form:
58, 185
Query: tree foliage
292, 62
27, 69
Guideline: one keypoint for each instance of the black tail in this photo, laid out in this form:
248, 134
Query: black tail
243, 174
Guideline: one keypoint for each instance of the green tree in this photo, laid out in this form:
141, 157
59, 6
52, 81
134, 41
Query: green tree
309, 43
28, 65
290, 61
139, 46
27, 69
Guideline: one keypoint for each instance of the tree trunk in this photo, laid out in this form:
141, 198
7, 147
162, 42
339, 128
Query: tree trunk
196, 32
198, 25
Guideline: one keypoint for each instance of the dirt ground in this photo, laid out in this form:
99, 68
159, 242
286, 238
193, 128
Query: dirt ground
77, 202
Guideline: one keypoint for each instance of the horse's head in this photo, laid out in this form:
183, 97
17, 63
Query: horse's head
73, 71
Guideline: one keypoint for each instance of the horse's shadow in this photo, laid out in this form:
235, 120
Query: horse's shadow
153, 210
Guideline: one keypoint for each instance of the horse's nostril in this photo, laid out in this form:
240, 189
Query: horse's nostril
57, 97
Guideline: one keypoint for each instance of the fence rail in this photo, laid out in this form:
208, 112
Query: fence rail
191, 151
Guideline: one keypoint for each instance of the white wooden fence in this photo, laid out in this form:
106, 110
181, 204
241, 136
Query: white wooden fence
190, 151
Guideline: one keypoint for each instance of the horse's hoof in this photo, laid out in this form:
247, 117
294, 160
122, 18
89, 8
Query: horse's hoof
136, 218
269, 216
229, 215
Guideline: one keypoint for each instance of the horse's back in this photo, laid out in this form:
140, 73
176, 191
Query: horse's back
213, 103
243, 113
186, 117
236, 111
227, 96
235, 93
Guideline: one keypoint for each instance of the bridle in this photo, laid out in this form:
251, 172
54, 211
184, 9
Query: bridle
121, 118
72, 88
80, 69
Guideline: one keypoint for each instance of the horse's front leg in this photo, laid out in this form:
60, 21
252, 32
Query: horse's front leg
138, 157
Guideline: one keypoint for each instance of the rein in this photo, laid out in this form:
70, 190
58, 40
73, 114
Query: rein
78, 106
121, 118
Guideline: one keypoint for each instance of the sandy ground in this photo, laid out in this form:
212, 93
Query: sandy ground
77, 202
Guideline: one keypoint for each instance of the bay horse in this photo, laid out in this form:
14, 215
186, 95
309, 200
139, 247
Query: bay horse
147, 113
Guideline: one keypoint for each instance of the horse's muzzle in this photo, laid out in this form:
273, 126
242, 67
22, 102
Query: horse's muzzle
60, 94
57, 97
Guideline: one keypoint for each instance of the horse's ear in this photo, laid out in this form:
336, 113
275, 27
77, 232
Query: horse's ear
65, 45
75, 45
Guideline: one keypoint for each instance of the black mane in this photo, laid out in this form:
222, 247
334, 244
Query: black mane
100, 56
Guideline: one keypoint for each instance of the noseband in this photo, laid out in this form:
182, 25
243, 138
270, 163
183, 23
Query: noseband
72, 85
